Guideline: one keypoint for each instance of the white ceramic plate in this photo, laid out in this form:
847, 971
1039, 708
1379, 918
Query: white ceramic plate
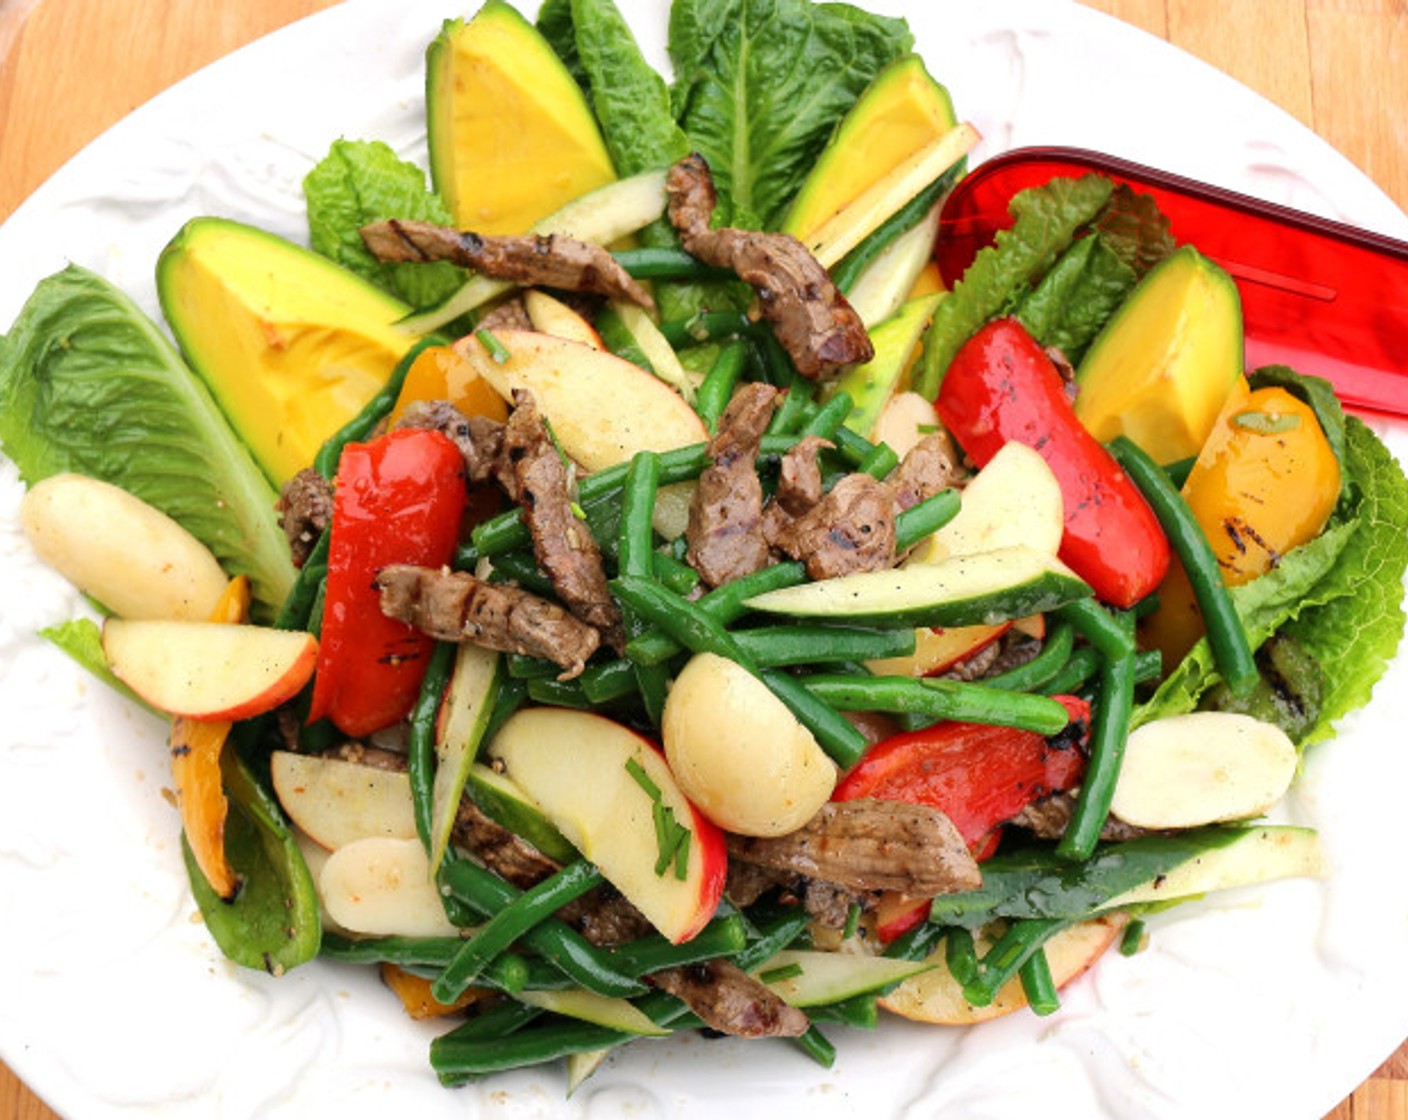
113, 1001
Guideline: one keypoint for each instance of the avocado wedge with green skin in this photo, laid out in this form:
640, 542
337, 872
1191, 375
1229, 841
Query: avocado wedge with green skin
872, 383
511, 135
900, 111
1161, 369
290, 344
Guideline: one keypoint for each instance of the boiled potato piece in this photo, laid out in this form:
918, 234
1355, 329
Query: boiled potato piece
739, 754
126, 554
382, 885
1201, 768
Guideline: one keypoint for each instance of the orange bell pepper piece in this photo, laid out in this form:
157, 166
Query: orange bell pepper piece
196, 746
414, 993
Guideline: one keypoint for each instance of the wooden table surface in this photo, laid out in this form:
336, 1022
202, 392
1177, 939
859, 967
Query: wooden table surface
1339, 66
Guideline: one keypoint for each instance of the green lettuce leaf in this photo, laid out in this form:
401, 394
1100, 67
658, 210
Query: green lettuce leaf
361, 181
1073, 300
760, 84
555, 25
82, 640
1355, 628
1047, 221
89, 384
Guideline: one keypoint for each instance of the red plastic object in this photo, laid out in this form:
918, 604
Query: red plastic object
1320, 296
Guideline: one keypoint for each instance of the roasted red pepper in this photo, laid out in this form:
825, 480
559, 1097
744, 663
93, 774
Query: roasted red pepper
397, 500
978, 775
1003, 386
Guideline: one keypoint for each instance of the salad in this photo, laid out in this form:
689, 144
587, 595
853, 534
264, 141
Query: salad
550, 697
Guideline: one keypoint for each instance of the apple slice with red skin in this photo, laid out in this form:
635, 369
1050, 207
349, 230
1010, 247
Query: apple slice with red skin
936, 997
336, 801
209, 670
584, 772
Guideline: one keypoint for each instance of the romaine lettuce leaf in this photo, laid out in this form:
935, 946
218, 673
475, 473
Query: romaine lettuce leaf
82, 640
1354, 633
1071, 302
361, 181
1047, 220
89, 384
760, 84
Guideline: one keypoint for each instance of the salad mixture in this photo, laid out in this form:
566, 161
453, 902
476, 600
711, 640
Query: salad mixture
615, 589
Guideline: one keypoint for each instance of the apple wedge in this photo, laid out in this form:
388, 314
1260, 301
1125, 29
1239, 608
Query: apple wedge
936, 997
336, 802
1014, 500
552, 316
602, 785
209, 670
602, 408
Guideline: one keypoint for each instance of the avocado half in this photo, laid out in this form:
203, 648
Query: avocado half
291, 345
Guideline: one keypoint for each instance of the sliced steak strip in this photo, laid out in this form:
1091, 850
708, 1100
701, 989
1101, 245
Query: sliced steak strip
812, 320
869, 844
511, 315
731, 1001
454, 606
546, 260
305, 509
502, 851
536, 478
852, 529
479, 438
725, 534
928, 467
1048, 817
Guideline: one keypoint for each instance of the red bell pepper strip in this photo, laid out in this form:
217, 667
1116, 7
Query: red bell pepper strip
1003, 386
397, 500
978, 775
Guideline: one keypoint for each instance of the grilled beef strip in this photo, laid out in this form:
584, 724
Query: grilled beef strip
454, 606
536, 478
870, 844
305, 510
534, 260
510, 315
798, 485
502, 851
731, 1001
1048, 817
725, 534
928, 467
852, 529
480, 439
820, 331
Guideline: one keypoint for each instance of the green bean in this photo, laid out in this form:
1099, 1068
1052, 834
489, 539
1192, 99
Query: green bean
560, 694
373, 412
961, 955
695, 629
829, 417
920, 520
777, 364
771, 646
859, 1011
708, 326
1082, 665
511, 924
718, 385
511, 695
879, 462
498, 1022
667, 264
420, 748
611, 680
917, 943
1006, 957
817, 1047
559, 943
1230, 649
523, 667
720, 938
297, 606
856, 449
678, 576
1100, 628
1102, 769
637, 552
724, 604
1055, 653
521, 567
1132, 940
774, 936
509, 972
1038, 984
834, 733
790, 414
942, 699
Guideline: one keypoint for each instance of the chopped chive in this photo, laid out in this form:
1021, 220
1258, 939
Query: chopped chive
497, 350
1133, 940
682, 854
637, 771
784, 972
666, 838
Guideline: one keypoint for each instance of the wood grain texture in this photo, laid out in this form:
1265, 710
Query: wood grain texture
71, 68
